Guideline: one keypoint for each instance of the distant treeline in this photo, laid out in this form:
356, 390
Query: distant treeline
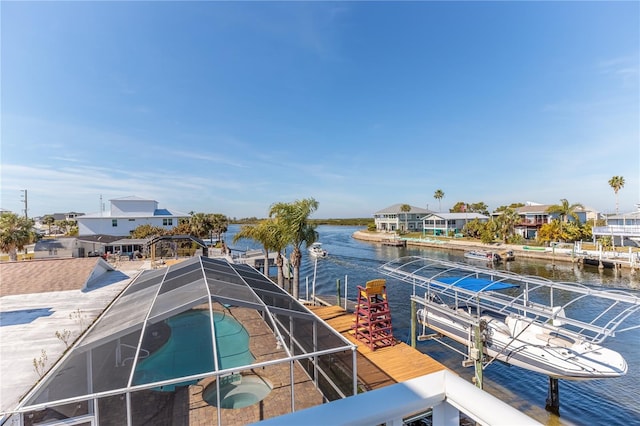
358, 221
366, 221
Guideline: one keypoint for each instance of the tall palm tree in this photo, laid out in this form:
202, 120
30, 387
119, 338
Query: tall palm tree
15, 233
617, 183
439, 195
293, 221
565, 211
262, 233
405, 208
278, 242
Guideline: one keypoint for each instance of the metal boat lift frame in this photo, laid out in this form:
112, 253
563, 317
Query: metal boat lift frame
537, 298
431, 275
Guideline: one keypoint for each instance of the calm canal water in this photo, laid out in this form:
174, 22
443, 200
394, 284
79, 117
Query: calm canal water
594, 402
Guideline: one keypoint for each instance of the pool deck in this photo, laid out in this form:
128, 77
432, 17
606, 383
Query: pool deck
376, 368
263, 346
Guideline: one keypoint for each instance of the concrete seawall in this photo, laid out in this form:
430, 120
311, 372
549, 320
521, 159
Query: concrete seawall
520, 251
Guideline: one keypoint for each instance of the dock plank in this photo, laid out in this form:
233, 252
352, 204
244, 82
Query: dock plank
383, 366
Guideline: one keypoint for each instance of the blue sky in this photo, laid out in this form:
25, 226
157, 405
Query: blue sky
228, 107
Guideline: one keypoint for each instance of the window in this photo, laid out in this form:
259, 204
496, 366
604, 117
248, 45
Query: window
167, 222
132, 220
114, 222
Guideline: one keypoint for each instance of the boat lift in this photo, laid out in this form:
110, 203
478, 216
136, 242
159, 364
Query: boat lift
551, 304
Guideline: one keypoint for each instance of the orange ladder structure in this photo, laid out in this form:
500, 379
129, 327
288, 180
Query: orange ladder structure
372, 322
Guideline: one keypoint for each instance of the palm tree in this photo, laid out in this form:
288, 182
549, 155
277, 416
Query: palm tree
15, 233
293, 222
48, 220
565, 211
439, 195
259, 233
219, 224
199, 225
278, 242
506, 223
405, 208
617, 183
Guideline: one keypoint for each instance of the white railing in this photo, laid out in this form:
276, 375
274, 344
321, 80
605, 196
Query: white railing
626, 230
444, 393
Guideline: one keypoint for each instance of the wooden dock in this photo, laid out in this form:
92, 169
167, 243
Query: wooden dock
383, 366
394, 242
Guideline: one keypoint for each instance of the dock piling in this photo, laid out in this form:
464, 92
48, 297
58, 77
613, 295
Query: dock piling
553, 397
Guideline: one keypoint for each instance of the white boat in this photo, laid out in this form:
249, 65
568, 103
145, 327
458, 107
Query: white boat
316, 250
526, 321
484, 255
527, 344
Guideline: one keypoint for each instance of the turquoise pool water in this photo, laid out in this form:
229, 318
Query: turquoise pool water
189, 349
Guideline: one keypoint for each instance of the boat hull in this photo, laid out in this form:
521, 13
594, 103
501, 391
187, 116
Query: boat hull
317, 251
597, 262
484, 256
535, 348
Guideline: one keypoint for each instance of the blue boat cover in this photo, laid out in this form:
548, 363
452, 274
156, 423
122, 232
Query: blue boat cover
474, 284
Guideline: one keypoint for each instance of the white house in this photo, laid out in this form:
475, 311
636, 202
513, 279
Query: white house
445, 223
392, 219
624, 229
126, 214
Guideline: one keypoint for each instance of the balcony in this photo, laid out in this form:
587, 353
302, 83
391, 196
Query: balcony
631, 231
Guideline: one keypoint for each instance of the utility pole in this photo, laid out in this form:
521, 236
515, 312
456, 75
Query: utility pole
24, 200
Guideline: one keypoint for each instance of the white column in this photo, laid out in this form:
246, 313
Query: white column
445, 414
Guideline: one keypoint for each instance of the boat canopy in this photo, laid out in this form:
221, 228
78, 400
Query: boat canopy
476, 284
533, 297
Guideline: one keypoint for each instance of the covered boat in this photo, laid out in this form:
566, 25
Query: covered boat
520, 320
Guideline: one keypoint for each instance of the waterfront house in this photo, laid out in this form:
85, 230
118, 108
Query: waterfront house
624, 229
534, 215
125, 215
449, 223
392, 219
88, 246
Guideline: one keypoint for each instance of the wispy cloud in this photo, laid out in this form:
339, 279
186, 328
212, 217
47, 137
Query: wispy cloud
626, 68
209, 158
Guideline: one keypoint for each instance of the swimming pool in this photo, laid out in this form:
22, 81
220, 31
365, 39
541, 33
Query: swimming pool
188, 350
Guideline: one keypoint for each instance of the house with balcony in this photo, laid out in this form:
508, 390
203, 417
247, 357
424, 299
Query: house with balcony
624, 229
393, 219
534, 215
449, 223
126, 214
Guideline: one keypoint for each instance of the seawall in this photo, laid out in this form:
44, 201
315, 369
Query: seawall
520, 251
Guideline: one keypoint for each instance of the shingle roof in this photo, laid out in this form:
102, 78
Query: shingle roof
41, 276
457, 215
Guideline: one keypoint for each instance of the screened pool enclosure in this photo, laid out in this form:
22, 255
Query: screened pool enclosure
203, 339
